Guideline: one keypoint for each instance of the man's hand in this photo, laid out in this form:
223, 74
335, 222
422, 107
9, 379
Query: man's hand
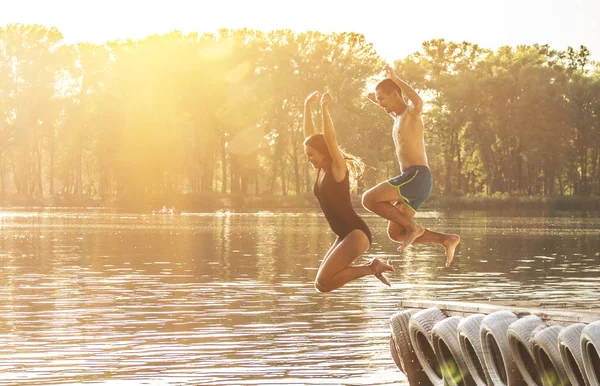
389, 71
312, 97
326, 99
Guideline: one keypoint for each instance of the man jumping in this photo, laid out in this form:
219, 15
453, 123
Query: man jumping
399, 198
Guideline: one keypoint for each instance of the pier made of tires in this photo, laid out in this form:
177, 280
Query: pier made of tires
467, 344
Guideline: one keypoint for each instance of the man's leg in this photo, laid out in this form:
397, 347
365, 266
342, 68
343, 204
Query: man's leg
380, 200
448, 241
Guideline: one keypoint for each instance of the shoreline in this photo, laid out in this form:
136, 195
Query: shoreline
217, 202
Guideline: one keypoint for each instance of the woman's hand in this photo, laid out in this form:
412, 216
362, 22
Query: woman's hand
326, 99
312, 97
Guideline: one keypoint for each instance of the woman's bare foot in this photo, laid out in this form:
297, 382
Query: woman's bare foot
378, 267
450, 244
410, 236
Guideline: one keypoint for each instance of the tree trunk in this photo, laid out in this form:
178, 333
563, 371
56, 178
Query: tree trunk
18, 170
594, 172
308, 182
583, 177
2, 172
223, 166
459, 180
282, 177
232, 175
79, 165
51, 166
39, 186
448, 182
296, 171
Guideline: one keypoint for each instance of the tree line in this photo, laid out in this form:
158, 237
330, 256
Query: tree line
222, 113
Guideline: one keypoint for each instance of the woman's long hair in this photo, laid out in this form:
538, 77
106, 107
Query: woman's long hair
355, 165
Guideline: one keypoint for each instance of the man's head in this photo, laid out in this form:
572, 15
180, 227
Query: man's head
316, 151
389, 96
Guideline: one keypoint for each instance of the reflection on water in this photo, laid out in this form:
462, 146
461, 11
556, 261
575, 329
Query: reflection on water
228, 299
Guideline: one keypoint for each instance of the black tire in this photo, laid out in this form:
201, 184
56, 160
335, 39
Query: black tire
590, 350
494, 342
469, 340
520, 334
407, 360
569, 346
420, 326
547, 357
447, 349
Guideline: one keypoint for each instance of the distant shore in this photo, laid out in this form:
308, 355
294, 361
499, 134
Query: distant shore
214, 202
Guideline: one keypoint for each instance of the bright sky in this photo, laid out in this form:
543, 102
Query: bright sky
396, 27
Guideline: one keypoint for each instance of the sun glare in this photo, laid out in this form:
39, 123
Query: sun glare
482, 23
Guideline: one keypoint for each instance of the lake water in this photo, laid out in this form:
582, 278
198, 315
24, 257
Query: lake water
98, 297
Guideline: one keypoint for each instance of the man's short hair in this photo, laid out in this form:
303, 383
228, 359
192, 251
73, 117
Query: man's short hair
388, 86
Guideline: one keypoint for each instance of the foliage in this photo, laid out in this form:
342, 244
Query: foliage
221, 113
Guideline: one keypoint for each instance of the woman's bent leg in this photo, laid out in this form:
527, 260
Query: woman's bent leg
335, 270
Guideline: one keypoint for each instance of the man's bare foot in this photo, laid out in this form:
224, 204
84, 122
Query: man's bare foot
410, 236
450, 244
378, 267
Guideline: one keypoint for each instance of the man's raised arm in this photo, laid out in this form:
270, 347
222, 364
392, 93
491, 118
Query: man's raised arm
411, 94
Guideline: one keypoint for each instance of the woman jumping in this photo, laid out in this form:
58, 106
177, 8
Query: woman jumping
332, 189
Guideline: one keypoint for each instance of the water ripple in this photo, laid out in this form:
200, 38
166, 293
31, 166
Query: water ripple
221, 299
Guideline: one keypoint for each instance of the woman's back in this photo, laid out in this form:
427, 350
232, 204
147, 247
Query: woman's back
336, 204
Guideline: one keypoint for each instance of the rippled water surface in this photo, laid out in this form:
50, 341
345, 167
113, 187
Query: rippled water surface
98, 297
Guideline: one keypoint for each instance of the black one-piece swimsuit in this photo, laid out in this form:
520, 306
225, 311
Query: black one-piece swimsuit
334, 199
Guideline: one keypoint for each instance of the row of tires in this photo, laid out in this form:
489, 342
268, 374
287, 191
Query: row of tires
499, 349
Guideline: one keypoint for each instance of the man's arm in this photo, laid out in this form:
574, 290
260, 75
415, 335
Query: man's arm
372, 98
309, 126
411, 94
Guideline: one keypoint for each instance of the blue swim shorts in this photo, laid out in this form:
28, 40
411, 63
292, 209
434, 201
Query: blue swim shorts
414, 185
